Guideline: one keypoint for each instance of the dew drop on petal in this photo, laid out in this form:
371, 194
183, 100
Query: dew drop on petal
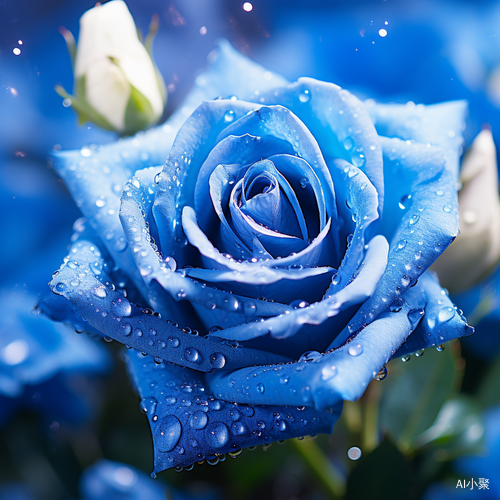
328, 372
121, 307
198, 420
217, 435
355, 349
445, 314
382, 374
229, 116
192, 355
168, 433
217, 360
305, 96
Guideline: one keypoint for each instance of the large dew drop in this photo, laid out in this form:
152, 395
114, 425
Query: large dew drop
217, 435
168, 433
121, 307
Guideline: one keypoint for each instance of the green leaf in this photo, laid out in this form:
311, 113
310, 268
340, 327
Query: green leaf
139, 113
489, 392
383, 474
415, 392
457, 430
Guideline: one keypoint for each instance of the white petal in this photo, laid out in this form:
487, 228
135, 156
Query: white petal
476, 251
109, 31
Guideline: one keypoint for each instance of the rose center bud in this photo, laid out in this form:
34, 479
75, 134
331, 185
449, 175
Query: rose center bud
263, 202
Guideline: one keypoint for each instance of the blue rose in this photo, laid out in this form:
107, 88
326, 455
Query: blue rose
292, 226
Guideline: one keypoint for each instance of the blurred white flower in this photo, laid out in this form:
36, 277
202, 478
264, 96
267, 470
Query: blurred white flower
476, 251
117, 85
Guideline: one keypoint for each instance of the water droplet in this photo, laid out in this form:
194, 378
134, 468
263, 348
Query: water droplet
397, 305
238, 428
170, 400
405, 202
328, 372
358, 159
249, 308
217, 435
310, 356
354, 453
401, 244
348, 143
447, 209
414, 219
445, 314
304, 182
100, 202
127, 329
260, 388
198, 420
305, 96
86, 151
100, 291
299, 304
284, 379
382, 374
217, 360
414, 316
440, 348
148, 405
192, 355
121, 307
419, 353
170, 261
406, 358
236, 452
60, 287
355, 349
173, 342
440, 193
229, 116
168, 433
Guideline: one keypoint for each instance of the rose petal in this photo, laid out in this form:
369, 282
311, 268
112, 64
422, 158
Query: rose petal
189, 425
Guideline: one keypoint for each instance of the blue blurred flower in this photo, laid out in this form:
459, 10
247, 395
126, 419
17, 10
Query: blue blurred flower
107, 480
40, 360
311, 221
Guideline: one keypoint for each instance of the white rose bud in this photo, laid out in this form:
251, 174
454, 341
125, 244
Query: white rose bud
476, 251
117, 85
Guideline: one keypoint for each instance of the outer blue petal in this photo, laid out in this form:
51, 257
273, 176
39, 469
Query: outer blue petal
425, 231
442, 321
323, 380
189, 425
110, 312
439, 125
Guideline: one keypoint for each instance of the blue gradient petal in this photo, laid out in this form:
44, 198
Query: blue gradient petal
323, 380
442, 321
439, 125
424, 232
110, 312
190, 426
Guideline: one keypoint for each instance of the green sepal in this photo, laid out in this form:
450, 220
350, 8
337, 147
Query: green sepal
70, 44
85, 112
139, 112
